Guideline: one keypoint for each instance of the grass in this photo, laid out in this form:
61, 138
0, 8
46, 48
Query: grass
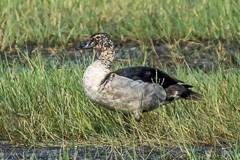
42, 101
61, 23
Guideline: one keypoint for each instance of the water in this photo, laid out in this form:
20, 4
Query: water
11, 152
197, 55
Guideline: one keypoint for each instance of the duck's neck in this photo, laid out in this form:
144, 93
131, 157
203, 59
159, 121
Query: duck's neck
107, 57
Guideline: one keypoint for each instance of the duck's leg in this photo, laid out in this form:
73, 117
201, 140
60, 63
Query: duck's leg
137, 116
127, 125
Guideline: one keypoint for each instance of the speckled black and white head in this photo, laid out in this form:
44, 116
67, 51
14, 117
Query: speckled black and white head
99, 42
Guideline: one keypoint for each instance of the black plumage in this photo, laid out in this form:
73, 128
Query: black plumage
154, 75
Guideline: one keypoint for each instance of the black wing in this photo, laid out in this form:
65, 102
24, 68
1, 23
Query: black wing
147, 74
154, 75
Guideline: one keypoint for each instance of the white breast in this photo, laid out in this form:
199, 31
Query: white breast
92, 79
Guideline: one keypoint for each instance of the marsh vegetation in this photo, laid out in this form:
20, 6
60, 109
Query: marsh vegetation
41, 97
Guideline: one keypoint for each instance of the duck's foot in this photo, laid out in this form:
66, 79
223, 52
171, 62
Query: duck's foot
132, 129
126, 122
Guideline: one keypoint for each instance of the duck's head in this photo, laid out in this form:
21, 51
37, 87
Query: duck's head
98, 41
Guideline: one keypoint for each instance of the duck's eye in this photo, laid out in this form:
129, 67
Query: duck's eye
98, 37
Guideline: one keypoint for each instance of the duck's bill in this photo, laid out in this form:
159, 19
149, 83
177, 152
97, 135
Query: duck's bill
85, 45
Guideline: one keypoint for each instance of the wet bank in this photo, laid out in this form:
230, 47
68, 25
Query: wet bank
201, 55
11, 152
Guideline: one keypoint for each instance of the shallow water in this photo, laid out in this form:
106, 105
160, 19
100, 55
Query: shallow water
10, 151
196, 55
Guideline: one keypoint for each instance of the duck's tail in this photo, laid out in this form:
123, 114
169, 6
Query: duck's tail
182, 91
193, 95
